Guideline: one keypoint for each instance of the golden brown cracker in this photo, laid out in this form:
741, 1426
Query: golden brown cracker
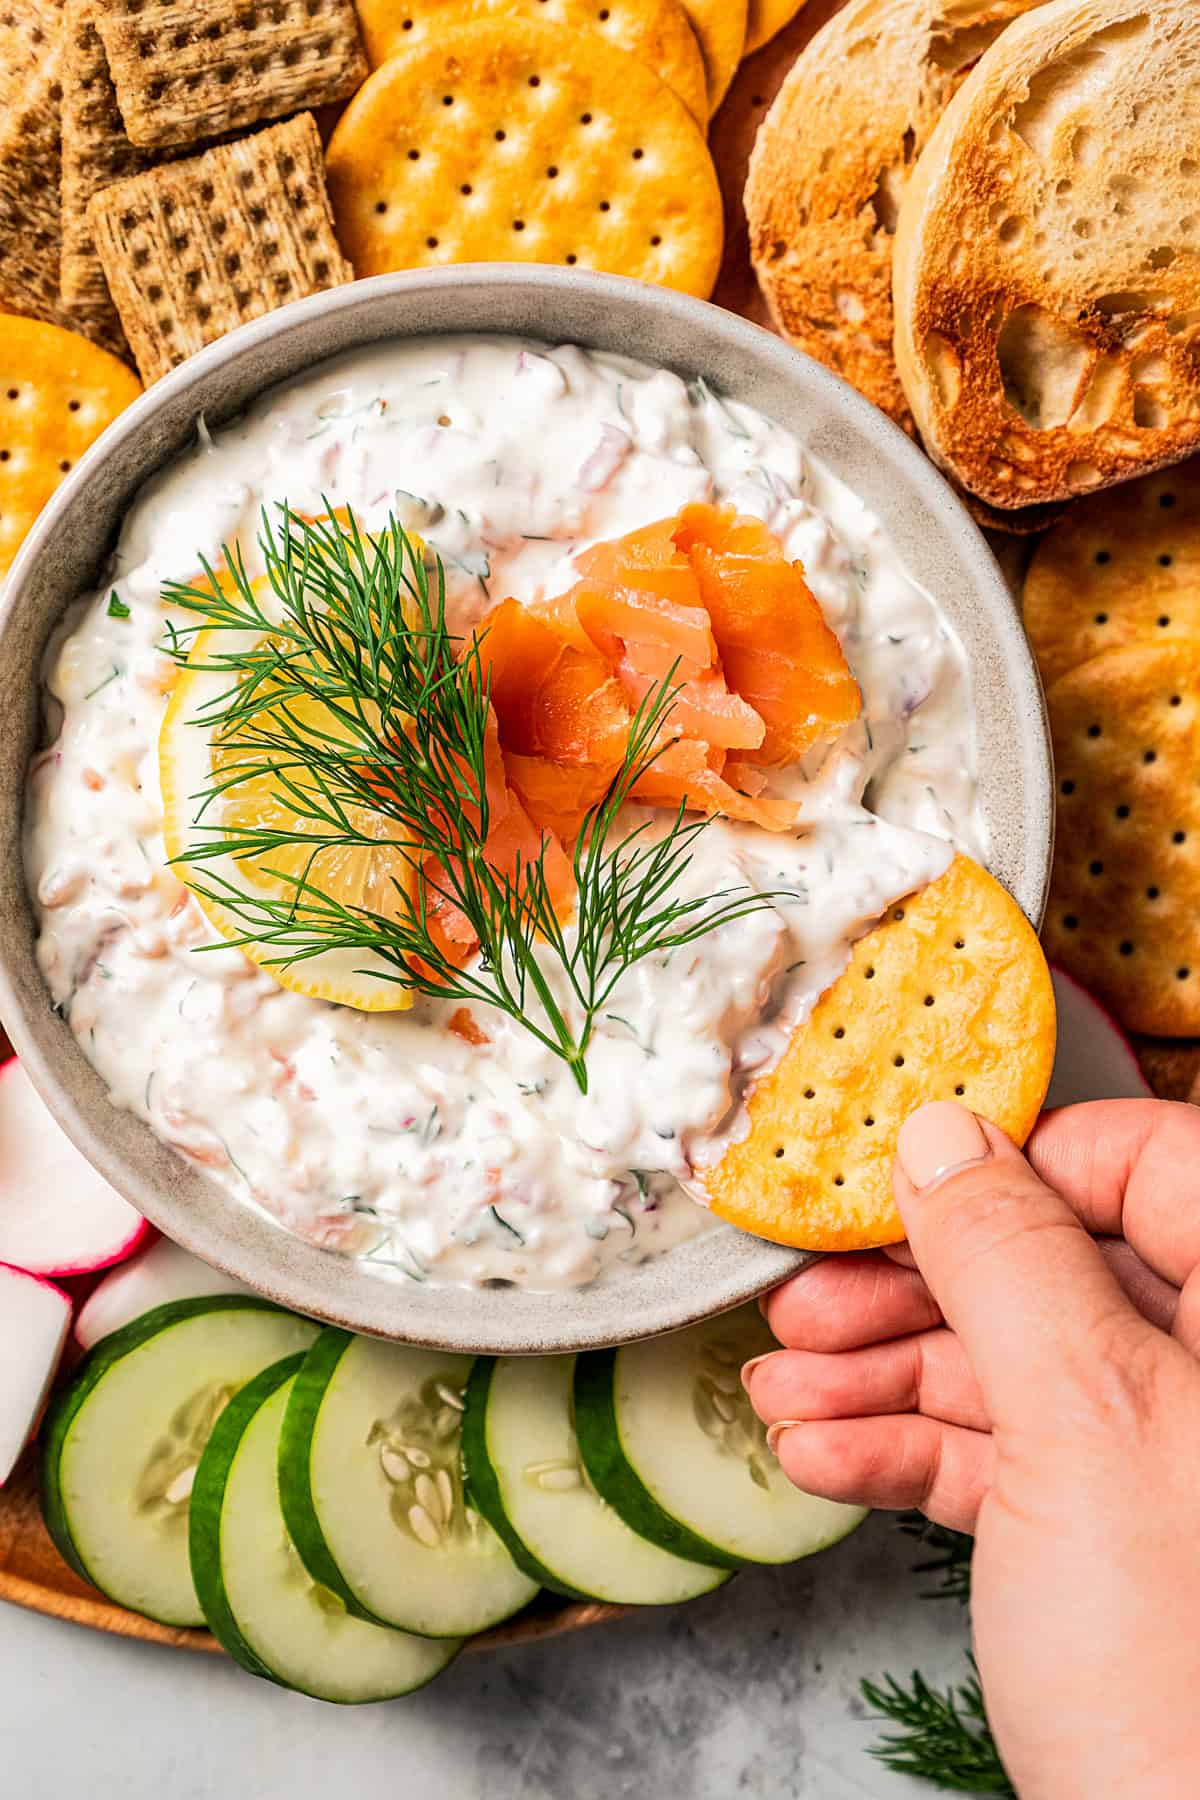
57, 394
657, 32
1124, 912
720, 26
499, 142
948, 998
30, 98
766, 20
95, 153
198, 247
186, 70
1122, 568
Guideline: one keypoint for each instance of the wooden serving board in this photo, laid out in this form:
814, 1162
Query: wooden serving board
32, 1574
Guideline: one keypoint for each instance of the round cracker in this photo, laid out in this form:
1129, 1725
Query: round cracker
720, 26
1124, 912
1122, 568
58, 391
948, 998
655, 31
498, 142
767, 18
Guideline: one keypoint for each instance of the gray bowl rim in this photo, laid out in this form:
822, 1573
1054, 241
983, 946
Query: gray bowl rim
709, 1274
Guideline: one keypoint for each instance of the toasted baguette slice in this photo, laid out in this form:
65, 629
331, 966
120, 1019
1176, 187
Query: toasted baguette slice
1047, 260
831, 163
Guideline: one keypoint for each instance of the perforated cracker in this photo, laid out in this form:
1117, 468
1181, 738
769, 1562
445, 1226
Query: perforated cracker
767, 19
57, 394
500, 142
657, 32
186, 70
95, 153
720, 26
1122, 568
196, 248
948, 998
1124, 912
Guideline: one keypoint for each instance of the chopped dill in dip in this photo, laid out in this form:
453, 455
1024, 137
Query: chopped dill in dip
392, 1135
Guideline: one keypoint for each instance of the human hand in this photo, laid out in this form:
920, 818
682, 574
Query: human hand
1028, 1384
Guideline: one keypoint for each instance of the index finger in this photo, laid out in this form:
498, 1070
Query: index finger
1131, 1169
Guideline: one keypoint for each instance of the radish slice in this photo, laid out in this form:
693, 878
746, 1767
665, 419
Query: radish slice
1095, 1060
158, 1275
58, 1216
34, 1321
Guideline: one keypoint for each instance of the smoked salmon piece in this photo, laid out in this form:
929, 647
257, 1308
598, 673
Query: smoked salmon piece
775, 647
551, 698
513, 841
685, 772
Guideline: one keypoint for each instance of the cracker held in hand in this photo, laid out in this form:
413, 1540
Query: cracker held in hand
949, 998
185, 70
655, 31
57, 394
1047, 257
95, 153
196, 248
1122, 568
831, 164
1124, 912
500, 142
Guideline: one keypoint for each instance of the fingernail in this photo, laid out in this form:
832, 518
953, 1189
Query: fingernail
939, 1140
776, 1431
749, 1368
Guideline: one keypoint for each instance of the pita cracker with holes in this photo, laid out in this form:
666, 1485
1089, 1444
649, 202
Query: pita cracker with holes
949, 997
198, 247
95, 153
1124, 911
499, 142
657, 32
1122, 568
186, 70
766, 20
57, 394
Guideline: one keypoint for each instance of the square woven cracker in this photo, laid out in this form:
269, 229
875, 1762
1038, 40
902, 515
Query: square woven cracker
30, 95
95, 153
949, 998
186, 70
198, 247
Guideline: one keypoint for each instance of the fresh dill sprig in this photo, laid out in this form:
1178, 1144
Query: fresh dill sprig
944, 1738
950, 1558
348, 695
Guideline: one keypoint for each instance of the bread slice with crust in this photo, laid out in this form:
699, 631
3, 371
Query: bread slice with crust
1047, 259
830, 166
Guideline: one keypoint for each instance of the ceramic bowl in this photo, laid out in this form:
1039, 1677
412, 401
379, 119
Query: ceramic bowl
65, 553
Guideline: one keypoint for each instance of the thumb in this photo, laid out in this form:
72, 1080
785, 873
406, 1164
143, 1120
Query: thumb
1014, 1272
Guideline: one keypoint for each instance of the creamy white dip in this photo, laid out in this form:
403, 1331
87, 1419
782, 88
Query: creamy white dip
385, 1135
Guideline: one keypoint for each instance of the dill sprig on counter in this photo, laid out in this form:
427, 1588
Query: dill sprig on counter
943, 1738
349, 695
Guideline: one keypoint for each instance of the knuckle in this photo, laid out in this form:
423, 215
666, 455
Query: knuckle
1120, 1382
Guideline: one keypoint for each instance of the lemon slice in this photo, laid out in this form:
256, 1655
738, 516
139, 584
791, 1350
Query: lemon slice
191, 757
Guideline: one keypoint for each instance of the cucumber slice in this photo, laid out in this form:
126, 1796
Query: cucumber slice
371, 1486
524, 1474
670, 1440
256, 1593
122, 1441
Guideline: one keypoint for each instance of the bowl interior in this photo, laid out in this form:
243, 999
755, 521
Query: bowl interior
64, 555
